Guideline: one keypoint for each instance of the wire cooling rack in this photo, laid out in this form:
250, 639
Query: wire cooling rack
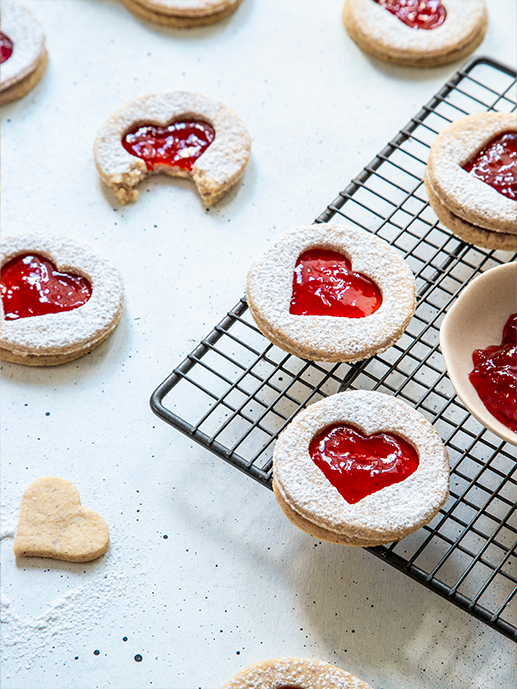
236, 391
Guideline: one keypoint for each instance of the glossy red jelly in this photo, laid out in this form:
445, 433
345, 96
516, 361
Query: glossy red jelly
417, 14
30, 285
325, 285
6, 47
496, 164
495, 376
178, 145
359, 465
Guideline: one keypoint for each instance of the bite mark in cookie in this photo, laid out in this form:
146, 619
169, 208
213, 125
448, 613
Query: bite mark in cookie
463, 199
24, 57
325, 337
215, 168
389, 512
384, 35
53, 523
50, 321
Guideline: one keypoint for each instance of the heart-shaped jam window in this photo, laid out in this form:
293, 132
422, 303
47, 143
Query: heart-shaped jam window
30, 285
417, 14
178, 145
6, 47
358, 465
325, 285
496, 164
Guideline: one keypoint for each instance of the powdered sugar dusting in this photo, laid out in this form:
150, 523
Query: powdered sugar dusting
303, 673
326, 338
105, 583
392, 512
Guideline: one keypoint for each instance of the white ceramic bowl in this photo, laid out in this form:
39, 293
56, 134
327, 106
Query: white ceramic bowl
476, 321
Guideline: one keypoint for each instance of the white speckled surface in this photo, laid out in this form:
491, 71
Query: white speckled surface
234, 582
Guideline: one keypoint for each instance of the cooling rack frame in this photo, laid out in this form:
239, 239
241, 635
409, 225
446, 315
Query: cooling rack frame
252, 395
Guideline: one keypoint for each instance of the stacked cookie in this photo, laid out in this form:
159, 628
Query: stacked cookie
23, 53
360, 468
329, 292
293, 673
471, 179
183, 14
416, 33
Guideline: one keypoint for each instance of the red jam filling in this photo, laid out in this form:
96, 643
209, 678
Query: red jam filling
417, 14
6, 47
495, 376
178, 145
496, 164
359, 465
30, 285
324, 285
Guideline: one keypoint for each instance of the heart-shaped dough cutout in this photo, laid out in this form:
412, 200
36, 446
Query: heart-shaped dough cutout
325, 285
358, 465
54, 524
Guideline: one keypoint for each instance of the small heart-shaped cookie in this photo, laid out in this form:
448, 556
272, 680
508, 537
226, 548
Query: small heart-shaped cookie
54, 524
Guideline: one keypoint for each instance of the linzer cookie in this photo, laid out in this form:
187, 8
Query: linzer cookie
471, 179
181, 134
22, 51
331, 293
360, 468
416, 33
59, 299
54, 524
293, 673
183, 14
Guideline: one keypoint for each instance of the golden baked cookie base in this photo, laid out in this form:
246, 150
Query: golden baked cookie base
22, 88
318, 531
411, 60
176, 21
466, 231
50, 359
53, 523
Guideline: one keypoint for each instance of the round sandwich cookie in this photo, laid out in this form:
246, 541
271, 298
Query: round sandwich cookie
22, 51
180, 133
331, 292
471, 179
293, 673
360, 468
416, 33
183, 14
59, 299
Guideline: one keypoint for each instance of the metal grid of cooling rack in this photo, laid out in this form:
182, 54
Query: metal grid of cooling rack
236, 392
